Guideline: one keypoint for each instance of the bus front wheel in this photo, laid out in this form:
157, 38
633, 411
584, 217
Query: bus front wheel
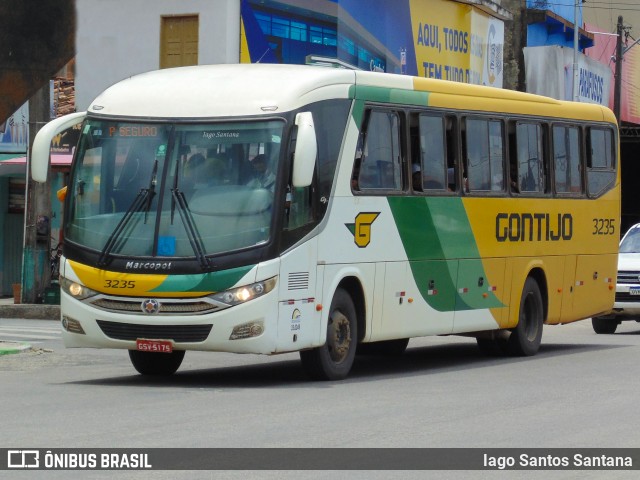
334, 359
525, 338
155, 363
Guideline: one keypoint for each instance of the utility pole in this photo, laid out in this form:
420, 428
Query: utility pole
617, 89
35, 255
576, 73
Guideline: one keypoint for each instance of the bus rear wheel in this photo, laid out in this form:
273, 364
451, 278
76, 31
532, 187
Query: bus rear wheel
525, 338
334, 359
154, 363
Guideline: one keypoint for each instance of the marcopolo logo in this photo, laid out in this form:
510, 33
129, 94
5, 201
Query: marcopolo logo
361, 229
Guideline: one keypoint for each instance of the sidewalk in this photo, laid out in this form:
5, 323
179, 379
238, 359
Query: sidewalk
29, 311
37, 311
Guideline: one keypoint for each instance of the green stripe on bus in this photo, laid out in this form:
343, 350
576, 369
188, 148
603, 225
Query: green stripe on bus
433, 230
389, 95
205, 282
357, 111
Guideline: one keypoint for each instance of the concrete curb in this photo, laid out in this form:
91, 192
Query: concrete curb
8, 348
31, 311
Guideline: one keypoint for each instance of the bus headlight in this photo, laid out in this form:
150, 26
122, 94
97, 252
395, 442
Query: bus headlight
75, 289
245, 293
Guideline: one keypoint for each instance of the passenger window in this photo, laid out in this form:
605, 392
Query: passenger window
429, 171
380, 158
484, 155
530, 164
601, 168
566, 159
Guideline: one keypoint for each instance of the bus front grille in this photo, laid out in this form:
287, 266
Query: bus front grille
177, 333
170, 307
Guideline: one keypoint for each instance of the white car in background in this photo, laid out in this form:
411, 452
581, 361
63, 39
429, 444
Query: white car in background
627, 302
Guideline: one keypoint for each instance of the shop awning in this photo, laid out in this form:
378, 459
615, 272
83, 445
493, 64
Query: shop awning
17, 165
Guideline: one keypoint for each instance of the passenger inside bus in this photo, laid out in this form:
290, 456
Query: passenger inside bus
387, 177
263, 177
356, 174
451, 179
135, 175
201, 172
416, 177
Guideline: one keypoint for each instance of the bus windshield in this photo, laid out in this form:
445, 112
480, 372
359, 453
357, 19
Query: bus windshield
173, 190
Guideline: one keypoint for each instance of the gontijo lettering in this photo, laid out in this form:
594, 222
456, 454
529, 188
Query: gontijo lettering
533, 227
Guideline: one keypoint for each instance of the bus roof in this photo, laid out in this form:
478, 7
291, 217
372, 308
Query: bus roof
228, 90
207, 91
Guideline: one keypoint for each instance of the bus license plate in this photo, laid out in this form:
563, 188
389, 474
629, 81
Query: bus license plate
634, 290
161, 346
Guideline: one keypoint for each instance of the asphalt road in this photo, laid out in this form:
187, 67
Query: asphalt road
580, 391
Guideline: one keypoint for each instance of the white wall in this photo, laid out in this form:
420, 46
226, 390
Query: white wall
119, 38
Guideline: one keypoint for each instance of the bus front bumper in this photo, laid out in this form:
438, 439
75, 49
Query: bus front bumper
85, 326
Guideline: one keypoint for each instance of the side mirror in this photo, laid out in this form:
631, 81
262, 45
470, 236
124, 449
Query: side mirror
304, 158
42, 143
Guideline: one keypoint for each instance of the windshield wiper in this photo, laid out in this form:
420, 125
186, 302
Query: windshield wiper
151, 190
177, 198
175, 189
142, 201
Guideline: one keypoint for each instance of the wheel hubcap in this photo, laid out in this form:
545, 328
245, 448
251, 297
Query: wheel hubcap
339, 337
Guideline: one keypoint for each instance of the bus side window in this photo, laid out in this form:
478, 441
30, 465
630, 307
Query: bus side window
381, 159
432, 152
512, 150
298, 203
566, 158
451, 152
484, 150
601, 168
529, 168
355, 174
414, 145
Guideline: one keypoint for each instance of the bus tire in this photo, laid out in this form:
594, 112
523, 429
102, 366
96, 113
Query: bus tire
606, 326
155, 363
525, 338
389, 348
333, 360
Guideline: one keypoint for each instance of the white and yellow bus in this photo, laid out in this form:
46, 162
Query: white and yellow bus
276, 208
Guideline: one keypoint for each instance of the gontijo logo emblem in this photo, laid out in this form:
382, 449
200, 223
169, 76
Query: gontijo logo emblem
361, 229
